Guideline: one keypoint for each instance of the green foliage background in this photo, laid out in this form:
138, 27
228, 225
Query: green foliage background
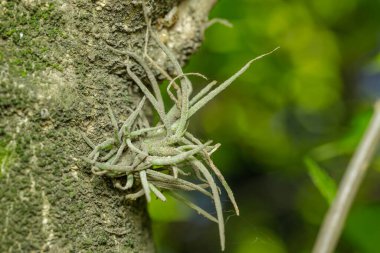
312, 98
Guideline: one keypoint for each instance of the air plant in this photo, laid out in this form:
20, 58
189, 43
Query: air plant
157, 158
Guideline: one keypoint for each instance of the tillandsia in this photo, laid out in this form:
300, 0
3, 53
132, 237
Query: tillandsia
157, 159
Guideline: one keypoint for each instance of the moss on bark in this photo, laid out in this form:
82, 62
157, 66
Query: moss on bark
56, 75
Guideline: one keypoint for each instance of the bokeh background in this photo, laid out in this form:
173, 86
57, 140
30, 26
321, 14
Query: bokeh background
288, 126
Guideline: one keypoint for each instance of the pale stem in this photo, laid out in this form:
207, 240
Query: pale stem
336, 216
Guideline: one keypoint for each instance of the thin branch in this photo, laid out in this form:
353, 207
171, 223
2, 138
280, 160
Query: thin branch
336, 216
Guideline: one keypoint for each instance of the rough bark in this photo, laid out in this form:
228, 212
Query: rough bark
57, 74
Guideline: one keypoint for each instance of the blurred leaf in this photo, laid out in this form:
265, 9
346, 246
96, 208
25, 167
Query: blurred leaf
310, 204
362, 228
324, 183
333, 11
260, 242
374, 66
168, 211
345, 144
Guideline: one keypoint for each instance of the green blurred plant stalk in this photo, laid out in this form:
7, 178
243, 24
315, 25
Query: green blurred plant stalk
336, 216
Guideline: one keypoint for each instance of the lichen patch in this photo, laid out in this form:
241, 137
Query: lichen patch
46, 226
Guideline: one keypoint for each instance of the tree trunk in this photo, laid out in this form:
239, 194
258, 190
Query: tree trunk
58, 72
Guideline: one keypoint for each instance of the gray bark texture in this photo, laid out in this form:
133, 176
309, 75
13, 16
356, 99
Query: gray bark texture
57, 74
